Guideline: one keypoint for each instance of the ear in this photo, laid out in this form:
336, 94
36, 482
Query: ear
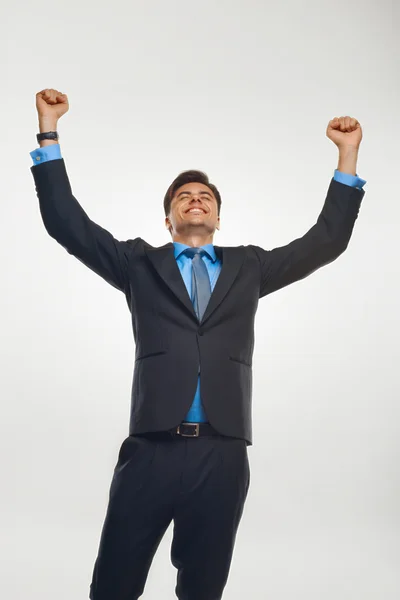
168, 225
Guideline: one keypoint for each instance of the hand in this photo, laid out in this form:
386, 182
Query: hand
51, 105
344, 132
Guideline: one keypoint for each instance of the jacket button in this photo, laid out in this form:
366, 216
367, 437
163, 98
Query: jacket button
200, 332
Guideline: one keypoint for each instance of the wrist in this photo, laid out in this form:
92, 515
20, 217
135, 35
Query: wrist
348, 149
348, 156
47, 124
44, 143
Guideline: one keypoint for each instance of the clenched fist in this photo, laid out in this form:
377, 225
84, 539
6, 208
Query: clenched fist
344, 132
51, 104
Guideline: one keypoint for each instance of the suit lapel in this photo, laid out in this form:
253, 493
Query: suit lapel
164, 262
232, 260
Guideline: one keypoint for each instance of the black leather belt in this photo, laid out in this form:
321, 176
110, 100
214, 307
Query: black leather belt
186, 430
193, 430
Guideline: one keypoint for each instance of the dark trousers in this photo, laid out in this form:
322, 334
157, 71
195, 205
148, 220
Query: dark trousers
199, 483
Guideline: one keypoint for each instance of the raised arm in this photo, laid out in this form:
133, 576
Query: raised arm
330, 235
63, 217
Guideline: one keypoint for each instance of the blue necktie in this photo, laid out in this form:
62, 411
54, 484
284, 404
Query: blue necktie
201, 288
201, 292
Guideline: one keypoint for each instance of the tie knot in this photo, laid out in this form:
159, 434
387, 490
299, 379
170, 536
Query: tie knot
192, 252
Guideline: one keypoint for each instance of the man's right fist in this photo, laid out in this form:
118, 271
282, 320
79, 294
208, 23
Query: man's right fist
51, 104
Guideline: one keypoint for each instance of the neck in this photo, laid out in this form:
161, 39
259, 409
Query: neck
194, 240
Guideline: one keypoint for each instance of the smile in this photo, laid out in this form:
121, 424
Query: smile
196, 210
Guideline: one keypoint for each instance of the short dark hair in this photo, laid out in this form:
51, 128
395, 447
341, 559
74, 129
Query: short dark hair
189, 177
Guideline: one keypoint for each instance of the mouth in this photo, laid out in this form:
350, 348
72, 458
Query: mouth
195, 211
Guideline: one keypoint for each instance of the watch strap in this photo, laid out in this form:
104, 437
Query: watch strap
48, 135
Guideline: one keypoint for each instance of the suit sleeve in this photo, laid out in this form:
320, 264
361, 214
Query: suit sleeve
321, 245
66, 222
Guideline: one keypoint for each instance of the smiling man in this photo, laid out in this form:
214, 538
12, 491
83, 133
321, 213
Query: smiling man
193, 306
195, 205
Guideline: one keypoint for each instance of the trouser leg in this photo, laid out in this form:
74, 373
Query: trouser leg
140, 510
214, 488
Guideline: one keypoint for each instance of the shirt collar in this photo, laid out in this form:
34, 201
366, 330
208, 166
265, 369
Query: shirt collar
209, 248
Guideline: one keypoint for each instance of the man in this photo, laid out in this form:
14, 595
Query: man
193, 306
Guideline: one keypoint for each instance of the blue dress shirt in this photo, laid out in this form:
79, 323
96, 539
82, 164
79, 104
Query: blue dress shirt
196, 413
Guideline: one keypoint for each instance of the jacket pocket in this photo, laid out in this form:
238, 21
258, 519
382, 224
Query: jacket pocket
240, 361
148, 354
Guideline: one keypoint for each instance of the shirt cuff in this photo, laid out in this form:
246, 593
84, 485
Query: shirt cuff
347, 179
51, 152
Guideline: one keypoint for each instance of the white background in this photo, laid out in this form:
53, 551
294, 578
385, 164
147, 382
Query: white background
243, 90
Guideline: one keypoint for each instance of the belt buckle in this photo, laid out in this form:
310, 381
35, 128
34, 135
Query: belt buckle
196, 430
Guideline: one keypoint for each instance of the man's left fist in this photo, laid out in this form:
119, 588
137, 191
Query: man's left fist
344, 132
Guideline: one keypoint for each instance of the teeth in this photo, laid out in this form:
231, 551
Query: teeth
197, 210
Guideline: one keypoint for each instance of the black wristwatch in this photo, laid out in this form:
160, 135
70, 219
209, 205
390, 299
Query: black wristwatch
49, 135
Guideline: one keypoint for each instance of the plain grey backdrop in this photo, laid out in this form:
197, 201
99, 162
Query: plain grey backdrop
243, 90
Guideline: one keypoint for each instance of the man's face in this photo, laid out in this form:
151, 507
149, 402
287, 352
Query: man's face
194, 209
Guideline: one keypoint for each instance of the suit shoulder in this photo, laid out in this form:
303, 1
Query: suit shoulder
141, 245
134, 244
255, 250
